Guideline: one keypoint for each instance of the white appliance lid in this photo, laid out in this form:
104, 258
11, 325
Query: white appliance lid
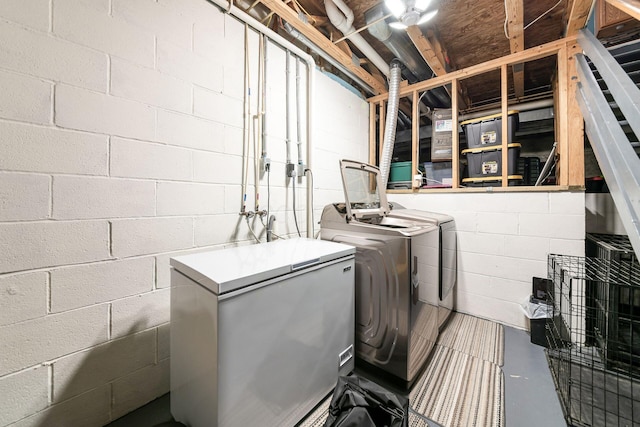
229, 269
363, 192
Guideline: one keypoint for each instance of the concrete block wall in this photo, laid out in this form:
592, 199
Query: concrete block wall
121, 145
503, 241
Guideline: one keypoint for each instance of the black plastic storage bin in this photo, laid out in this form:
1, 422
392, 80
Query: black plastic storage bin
491, 181
487, 161
529, 168
537, 332
487, 130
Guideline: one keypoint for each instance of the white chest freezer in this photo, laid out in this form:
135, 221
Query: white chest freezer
260, 333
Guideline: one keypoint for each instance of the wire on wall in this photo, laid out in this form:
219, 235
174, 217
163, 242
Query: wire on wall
295, 216
312, 213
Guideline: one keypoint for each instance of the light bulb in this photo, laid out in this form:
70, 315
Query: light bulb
397, 25
422, 5
427, 16
396, 7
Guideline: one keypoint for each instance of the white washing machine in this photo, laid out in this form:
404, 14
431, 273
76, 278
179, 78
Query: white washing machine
260, 333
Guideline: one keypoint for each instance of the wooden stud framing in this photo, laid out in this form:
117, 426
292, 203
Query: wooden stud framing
515, 29
372, 133
415, 139
568, 123
532, 54
382, 121
575, 121
455, 145
630, 7
290, 15
562, 94
578, 15
504, 90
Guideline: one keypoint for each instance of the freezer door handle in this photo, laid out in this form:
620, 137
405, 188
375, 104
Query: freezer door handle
305, 264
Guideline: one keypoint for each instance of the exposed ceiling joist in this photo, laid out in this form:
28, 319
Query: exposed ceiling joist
432, 55
578, 15
427, 50
515, 29
630, 7
290, 15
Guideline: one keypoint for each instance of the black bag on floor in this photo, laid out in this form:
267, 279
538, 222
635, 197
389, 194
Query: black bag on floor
358, 402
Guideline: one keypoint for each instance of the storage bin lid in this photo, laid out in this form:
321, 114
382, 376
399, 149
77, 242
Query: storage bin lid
491, 178
226, 270
489, 117
491, 148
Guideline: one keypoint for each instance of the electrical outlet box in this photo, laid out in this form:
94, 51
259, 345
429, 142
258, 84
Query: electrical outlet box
291, 172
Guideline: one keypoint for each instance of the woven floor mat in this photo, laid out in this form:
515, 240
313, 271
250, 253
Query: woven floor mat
462, 384
473, 336
459, 390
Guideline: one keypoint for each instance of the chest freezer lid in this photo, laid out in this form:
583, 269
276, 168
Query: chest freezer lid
226, 270
364, 194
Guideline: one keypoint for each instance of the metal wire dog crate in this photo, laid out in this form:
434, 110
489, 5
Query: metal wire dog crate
594, 339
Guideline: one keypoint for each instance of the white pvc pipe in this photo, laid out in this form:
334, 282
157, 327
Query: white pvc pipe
287, 111
341, 22
311, 66
298, 120
348, 13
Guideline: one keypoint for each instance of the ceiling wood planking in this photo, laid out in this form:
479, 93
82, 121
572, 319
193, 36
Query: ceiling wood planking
578, 15
515, 29
630, 7
289, 15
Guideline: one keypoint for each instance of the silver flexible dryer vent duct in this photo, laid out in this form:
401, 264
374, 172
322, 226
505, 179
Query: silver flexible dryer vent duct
392, 118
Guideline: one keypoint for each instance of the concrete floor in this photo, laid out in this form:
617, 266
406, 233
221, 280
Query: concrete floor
530, 396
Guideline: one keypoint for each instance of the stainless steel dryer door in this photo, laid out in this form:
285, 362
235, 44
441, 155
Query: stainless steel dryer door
382, 300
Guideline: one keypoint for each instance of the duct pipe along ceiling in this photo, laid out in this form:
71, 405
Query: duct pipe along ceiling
342, 17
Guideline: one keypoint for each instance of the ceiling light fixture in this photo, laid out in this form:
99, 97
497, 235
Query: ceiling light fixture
409, 12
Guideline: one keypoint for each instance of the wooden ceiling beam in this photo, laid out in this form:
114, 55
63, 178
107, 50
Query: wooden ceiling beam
630, 7
427, 50
432, 53
515, 29
290, 15
578, 13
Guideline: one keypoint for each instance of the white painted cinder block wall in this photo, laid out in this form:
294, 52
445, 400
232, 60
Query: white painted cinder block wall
120, 146
503, 241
